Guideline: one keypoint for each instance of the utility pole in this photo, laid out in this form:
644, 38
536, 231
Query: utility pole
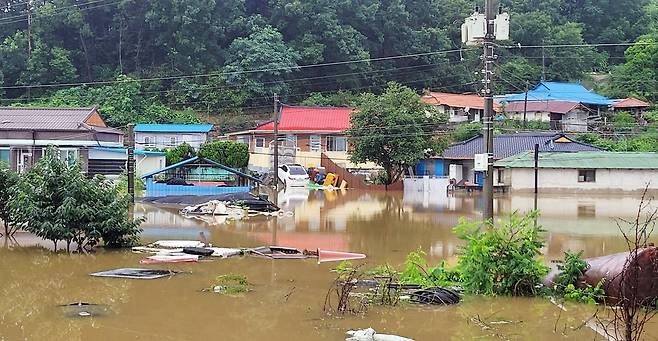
276, 144
525, 105
543, 62
131, 161
487, 141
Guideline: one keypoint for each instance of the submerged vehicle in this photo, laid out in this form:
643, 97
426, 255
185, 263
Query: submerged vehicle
293, 175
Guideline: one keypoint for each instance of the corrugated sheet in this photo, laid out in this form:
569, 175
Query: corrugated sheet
173, 128
630, 103
294, 118
583, 160
507, 145
554, 91
43, 118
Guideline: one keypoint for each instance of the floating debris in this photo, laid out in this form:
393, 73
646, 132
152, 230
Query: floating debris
435, 295
282, 252
371, 335
170, 258
178, 244
83, 309
135, 273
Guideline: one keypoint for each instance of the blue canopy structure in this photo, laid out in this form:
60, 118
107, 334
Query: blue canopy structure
555, 91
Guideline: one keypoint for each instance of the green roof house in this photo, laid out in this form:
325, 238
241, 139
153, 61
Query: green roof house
602, 172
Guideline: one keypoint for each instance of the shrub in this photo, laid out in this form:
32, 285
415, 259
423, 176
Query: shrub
466, 131
182, 152
566, 284
8, 179
417, 271
229, 153
502, 260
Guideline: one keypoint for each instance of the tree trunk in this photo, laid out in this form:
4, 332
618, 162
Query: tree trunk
6, 228
55, 243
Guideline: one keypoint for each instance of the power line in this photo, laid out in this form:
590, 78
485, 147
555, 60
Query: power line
288, 68
62, 10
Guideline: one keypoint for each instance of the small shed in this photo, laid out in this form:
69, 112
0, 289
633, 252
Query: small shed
197, 176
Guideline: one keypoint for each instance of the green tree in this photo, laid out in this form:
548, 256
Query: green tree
466, 131
8, 180
180, 153
229, 153
264, 49
393, 130
638, 76
56, 202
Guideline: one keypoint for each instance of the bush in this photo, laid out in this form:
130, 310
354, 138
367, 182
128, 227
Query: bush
229, 153
502, 260
623, 121
416, 271
567, 284
466, 131
182, 152
57, 202
8, 179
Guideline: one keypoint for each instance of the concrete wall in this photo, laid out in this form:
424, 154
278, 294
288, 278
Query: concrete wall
148, 163
566, 180
163, 140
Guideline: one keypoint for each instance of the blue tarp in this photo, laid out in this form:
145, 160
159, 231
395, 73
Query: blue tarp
554, 91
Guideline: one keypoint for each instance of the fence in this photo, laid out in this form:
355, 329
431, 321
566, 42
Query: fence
355, 181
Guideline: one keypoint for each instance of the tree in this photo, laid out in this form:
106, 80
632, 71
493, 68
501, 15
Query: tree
56, 202
393, 130
229, 153
180, 153
638, 76
7, 181
263, 49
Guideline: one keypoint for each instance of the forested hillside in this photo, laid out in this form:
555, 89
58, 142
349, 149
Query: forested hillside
139, 59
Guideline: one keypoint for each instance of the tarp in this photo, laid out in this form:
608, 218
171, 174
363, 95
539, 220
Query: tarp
554, 91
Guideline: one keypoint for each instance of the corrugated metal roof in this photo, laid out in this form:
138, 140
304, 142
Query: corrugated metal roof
554, 91
630, 103
28, 118
173, 128
507, 145
302, 118
556, 107
583, 160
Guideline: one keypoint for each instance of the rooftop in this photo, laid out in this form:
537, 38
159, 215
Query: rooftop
556, 107
507, 145
630, 103
173, 128
555, 91
583, 160
49, 119
455, 100
307, 118
125, 151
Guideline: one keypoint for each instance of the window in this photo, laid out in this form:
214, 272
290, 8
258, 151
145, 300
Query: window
296, 170
260, 142
4, 155
587, 175
315, 143
70, 156
173, 141
149, 141
501, 176
336, 144
243, 139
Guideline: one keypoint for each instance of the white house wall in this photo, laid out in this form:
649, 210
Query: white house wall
163, 140
566, 180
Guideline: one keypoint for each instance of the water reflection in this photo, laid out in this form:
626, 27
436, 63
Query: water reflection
385, 226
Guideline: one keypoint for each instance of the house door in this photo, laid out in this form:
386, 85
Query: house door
23, 161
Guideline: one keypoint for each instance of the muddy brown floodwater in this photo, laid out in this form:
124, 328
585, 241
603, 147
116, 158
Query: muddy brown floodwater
288, 295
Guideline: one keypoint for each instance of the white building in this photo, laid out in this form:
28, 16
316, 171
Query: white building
594, 172
166, 136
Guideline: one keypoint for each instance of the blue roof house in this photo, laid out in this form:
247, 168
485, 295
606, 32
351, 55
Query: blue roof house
555, 91
166, 136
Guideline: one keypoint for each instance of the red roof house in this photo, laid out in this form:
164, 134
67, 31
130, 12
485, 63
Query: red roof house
310, 119
630, 104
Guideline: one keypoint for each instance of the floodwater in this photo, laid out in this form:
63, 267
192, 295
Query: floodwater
288, 295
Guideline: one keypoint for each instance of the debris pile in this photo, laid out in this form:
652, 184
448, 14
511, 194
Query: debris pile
370, 334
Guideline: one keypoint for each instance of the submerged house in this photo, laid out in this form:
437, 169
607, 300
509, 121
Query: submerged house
197, 176
26, 132
458, 161
585, 171
562, 115
167, 136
